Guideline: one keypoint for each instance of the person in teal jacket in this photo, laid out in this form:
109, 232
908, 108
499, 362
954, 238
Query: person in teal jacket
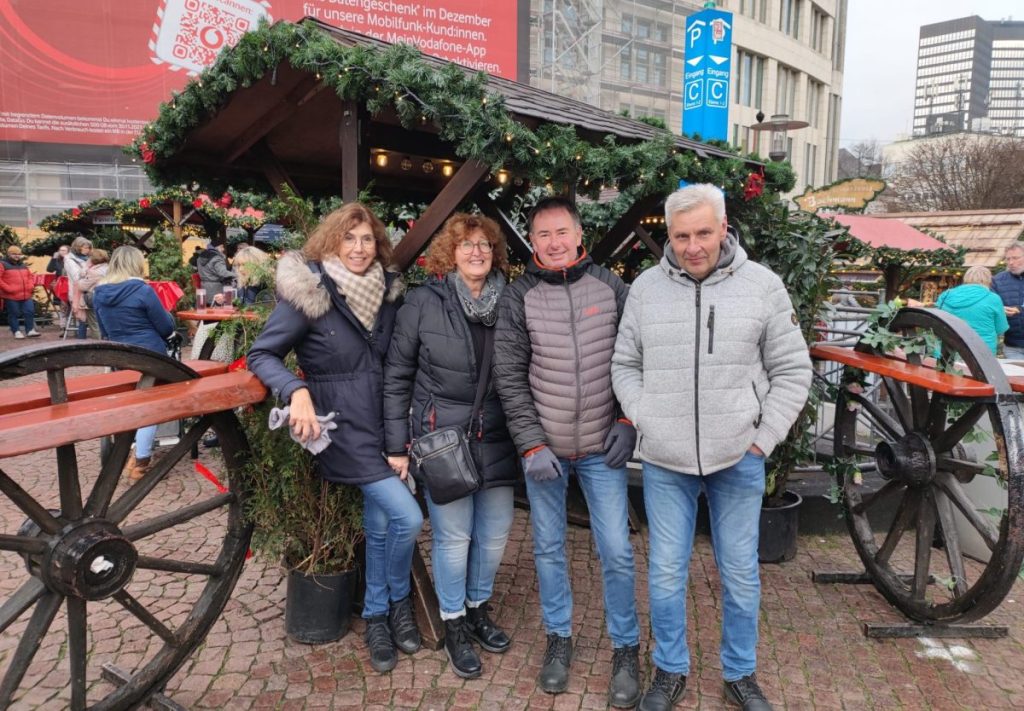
978, 305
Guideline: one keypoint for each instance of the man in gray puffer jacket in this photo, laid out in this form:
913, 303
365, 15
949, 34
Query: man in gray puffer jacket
552, 367
711, 366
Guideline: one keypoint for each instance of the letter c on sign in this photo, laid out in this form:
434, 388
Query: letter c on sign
211, 37
693, 91
716, 90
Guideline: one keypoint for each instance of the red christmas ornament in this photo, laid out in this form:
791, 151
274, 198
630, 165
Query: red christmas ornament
224, 200
197, 203
754, 186
75, 212
144, 202
421, 261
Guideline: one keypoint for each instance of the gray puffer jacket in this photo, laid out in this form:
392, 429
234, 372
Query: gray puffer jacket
706, 369
213, 272
552, 356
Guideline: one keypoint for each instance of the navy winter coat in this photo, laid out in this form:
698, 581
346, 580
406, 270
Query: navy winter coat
1010, 288
130, 312
343, 365
432, 364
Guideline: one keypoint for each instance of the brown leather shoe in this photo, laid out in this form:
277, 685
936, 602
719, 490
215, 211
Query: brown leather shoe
135, 469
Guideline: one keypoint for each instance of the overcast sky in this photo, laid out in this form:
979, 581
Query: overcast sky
881, 60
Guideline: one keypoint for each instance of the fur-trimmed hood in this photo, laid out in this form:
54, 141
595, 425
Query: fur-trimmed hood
304, 289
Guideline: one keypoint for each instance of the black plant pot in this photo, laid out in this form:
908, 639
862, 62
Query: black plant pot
778, 529
318, 607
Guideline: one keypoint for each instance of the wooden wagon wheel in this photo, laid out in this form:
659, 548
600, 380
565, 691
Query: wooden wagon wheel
921, 441
86, 542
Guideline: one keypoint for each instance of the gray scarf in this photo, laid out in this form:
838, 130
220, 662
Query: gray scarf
485, 309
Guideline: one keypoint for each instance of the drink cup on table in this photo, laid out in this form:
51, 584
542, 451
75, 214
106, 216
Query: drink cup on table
229, 296
200, 299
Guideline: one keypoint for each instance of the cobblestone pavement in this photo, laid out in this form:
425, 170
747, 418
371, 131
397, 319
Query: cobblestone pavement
812, 652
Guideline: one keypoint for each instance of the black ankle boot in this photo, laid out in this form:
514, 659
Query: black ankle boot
484, 631
465, 662
383, 657
624, 688
403, 626
554, 674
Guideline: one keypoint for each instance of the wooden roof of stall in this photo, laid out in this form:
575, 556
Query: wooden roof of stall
289, 120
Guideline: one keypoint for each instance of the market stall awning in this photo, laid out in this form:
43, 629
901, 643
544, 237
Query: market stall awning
876, 232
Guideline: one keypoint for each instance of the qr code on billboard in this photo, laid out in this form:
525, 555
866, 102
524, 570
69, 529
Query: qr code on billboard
188, 34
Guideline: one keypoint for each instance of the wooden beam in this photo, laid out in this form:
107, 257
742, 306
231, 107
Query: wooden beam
271, 167
622, 229
646, 238
355, 155
300, 94
460, 187
518, 243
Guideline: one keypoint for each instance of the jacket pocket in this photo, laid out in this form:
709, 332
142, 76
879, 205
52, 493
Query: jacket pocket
757, 401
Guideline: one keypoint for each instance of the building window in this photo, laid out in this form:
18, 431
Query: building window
789, 17
815, 91
659, 76
819, 30
838, 33
627, 24
753, 9
785, 90
749, 78
643, 60
626, 65
810, 163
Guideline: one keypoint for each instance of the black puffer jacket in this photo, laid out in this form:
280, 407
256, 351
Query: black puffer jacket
432, 363
342, 361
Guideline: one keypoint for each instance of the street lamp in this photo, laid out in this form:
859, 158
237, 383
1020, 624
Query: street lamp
779, 125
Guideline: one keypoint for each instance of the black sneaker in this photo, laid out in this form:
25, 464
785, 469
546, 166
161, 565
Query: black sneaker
211, 441
624, 688
403, 625
746, 693
554, 675
482, 628
465, 662
383, 657
665, 691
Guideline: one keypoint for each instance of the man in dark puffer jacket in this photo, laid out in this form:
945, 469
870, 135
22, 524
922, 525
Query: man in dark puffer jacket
553, 347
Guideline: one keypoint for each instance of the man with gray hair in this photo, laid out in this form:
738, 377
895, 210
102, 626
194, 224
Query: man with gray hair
1009, 285
711, 367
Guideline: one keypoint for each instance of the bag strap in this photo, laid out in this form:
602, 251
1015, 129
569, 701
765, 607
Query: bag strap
485, 377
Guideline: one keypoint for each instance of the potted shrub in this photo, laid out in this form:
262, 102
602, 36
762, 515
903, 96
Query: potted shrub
800, 248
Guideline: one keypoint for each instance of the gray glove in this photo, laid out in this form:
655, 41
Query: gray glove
619, 445
542, 465
279, 417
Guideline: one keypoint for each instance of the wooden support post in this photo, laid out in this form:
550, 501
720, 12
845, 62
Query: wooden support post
355, 154
621, 230
646, 238
519, 244
458, 189
268, 163
176, 219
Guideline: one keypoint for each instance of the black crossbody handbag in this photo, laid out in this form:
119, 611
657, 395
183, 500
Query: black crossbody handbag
443, 457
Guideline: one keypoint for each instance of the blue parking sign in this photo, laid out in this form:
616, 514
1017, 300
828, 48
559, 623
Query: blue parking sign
707, 59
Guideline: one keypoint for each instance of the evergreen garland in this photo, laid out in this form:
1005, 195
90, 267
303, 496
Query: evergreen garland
473, 120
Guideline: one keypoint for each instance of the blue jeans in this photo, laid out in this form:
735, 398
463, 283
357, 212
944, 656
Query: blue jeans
17, 310
469, 536
734, 502
1013, 352
144, 438
392, 520
605, 491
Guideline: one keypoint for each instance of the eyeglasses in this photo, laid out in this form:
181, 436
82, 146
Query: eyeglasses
466, 247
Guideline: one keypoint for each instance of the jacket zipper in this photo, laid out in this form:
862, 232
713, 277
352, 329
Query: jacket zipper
711, 329
576, 354
696, 383
760, 412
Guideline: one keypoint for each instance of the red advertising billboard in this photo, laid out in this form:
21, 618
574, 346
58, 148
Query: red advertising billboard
95, 71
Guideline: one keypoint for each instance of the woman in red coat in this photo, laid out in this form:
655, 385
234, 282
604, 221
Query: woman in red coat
16, 287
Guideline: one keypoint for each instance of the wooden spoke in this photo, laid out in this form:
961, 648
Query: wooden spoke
69, 483
935, 422
24, 598
140, 490
952, 435
900, 404
77, 651
22, 544
962, 469
875, 414
954, 554
908, 507
867, 452
146, 617
31, 508
890, 488
920, 406
110, 475
170, 565
42, 618
955, 491
58, 386
923, 546
176, 518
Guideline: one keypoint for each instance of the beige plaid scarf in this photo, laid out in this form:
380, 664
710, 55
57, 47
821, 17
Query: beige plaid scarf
363, 294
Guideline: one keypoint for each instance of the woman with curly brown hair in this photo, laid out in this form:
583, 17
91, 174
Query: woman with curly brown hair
436, 360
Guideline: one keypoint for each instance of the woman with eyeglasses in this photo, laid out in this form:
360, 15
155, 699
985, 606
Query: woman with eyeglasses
434, 367
336, 310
